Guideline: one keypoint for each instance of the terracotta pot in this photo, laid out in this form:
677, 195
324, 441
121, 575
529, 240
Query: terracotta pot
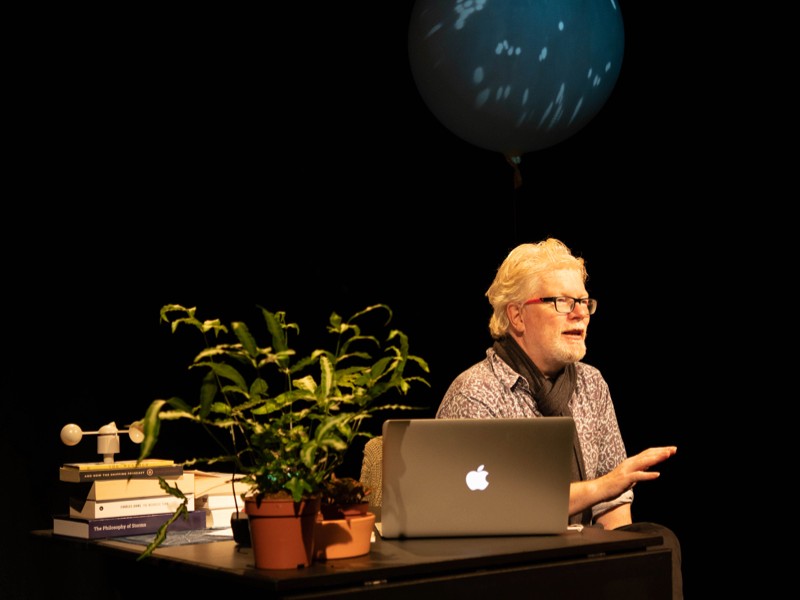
331, 512
343, 538
282, 531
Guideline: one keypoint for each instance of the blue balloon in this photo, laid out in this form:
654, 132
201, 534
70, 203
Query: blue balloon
515, 76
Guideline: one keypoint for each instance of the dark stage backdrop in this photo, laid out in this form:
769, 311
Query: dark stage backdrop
294, 165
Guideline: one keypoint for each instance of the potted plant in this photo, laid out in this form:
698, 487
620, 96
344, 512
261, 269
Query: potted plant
343, 497
284, 421
345, 524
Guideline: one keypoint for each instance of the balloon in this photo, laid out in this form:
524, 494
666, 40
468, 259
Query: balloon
515, 76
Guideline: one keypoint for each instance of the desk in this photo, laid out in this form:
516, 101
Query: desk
593, 564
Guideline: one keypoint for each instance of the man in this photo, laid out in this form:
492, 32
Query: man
541, 313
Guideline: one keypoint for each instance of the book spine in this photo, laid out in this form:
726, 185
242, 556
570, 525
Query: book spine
121, 489
124, 526
78, 476
119, 464
92, 509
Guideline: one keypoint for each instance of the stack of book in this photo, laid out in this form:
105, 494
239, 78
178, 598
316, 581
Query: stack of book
124, 498
219, 496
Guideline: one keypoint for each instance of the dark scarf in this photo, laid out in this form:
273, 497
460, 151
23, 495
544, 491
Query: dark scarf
552, 398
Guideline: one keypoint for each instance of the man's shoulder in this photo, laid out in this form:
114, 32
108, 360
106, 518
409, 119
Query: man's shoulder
480, 391
487, 373
589, 377
480, 369
492, 374
500, 368
587, 371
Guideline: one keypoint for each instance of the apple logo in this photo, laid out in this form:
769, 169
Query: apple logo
476, 480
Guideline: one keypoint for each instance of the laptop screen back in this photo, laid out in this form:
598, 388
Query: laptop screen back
476, 477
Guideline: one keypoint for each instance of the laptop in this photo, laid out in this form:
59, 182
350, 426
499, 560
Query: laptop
476, 477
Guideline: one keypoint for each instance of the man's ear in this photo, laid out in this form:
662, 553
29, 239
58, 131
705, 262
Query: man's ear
514, 314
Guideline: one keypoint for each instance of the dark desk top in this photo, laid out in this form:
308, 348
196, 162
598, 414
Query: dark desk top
388, 560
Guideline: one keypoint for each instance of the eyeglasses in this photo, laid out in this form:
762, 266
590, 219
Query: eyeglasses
565, 304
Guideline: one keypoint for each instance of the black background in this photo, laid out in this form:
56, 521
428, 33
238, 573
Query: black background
286, 159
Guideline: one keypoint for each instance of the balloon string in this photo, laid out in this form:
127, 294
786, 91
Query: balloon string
514, 162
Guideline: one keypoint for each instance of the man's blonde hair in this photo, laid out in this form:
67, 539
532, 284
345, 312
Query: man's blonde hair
520, 275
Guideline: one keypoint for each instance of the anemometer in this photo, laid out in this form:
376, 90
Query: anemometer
107, 437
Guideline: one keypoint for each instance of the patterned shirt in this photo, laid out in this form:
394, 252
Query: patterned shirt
492, 389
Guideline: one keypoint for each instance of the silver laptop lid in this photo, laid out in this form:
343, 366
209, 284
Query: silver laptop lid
476, 477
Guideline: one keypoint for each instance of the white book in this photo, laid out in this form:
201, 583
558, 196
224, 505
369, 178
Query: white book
127, 507
119, 489
219, 501
216, 482
219, 518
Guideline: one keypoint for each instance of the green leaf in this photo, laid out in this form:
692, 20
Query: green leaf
243, 335
208, 391
161, 534
276, 328
326, 377
150, 426
225, 371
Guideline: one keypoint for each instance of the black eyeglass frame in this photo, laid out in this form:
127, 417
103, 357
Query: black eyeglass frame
590, 303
